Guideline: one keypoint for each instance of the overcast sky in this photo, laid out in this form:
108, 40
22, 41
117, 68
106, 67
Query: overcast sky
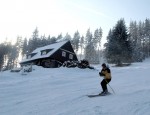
52, 17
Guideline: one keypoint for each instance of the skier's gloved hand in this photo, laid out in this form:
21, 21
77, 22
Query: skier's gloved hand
101, 74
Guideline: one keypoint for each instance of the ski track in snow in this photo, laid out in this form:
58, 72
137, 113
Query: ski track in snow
63, 91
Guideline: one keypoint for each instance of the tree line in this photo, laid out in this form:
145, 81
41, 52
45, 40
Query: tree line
124, 44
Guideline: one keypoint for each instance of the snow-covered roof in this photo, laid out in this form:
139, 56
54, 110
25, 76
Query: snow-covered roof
54, 47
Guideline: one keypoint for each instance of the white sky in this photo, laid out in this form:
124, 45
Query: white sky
52, 17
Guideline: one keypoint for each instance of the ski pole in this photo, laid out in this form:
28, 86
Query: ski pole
110, 87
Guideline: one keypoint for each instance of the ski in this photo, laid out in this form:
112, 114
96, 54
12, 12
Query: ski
98, 95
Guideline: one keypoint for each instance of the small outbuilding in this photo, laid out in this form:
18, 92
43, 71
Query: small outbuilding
51, 56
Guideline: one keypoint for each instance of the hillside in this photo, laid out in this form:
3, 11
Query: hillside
63, 91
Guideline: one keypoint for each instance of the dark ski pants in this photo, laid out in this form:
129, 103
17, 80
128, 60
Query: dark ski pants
104, 84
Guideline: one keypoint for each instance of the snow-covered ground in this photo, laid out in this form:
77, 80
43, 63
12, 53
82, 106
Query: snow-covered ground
63, 91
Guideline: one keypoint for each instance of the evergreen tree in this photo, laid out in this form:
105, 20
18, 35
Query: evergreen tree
81, 44
12, 57
53, 40
75, 41
67, 37
8, 55
97, 43
2, 54
88, 37
119, 48
43, 41
108, 48
24, 47
135, 41
90, 51
17, 50
49, 39
141, 37
33, 41
147, 36
88, 45
59, 37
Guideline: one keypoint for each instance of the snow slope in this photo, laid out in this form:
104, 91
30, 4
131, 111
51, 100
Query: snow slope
63, 91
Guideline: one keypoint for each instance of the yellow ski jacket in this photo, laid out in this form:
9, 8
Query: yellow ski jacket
106, 73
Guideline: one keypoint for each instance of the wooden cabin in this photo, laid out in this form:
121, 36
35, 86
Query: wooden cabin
51, 56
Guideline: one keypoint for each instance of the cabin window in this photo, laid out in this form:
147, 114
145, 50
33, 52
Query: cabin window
43, 53
31, 55
63, 54
70, 56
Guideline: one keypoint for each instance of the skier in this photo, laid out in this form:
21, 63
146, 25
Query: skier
106, 73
